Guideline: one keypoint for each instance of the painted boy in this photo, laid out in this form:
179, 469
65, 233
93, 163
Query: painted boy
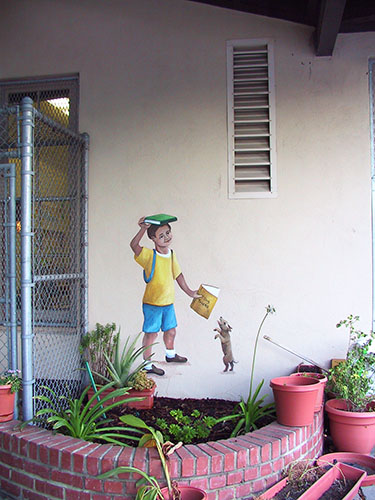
158, 299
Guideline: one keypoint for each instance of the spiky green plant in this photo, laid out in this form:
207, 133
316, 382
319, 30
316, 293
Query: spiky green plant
123, 368
86, 421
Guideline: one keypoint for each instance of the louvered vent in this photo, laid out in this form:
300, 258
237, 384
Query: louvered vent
250, 120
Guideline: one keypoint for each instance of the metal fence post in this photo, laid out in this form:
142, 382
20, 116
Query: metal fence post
27, 125
85, 190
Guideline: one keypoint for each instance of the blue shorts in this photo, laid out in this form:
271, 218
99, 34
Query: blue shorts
158, 318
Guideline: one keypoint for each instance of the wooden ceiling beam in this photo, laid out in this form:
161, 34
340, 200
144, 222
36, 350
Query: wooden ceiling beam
330, 17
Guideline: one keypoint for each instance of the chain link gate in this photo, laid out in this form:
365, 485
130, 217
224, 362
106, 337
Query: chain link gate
51, 247
8, 323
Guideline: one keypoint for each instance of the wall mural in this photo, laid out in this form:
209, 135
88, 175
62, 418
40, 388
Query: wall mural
160, 270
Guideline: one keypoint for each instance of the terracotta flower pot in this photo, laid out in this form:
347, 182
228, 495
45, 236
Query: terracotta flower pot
187, 493
147, 403
358, 460
295, 399
350, 430
323, 484
6, 403
320, 394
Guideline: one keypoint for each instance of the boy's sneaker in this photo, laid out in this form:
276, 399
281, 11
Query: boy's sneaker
176, 359
155, 370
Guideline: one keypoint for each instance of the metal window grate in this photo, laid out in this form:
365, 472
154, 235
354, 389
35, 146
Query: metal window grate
251, 119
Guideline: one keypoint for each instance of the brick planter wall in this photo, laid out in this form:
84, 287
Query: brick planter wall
38, 465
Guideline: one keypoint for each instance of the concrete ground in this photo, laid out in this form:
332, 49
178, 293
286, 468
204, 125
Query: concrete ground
368, 493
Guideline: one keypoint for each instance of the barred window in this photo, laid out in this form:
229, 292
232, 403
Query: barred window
251, 119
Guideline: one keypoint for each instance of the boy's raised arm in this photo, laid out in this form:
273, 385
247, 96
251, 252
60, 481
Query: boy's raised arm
134, 244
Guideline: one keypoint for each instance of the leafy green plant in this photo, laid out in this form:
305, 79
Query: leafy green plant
186, 427
122, 369
148, 486
85, 421
352, 379
103, 339
13, 378
249, 412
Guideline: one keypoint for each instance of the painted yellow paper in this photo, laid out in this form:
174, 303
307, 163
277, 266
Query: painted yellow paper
207, 300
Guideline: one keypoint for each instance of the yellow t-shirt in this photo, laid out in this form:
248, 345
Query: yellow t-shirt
160, 290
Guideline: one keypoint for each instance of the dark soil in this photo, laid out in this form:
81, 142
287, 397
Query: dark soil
207, 407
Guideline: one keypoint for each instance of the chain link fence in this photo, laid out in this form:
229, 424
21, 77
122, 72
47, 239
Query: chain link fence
57, 181
9, 154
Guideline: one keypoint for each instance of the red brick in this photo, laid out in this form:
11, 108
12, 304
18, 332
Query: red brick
227, 494
102, 497
11, 460
76, 495
211, 496
125, 457
93, 460
279, 435
300, 434
174, 467
254, 450
229, 455
10, 488
61, 454
217, 458
93, 484
241, 453
278, 465
67, 478
139, 459
187, 462
259, 485
32, 495
4, 471
50, 444
265, 469
274, 442
113, 486
271, 480
130, 487
37, 469
4, 426
201, 459
155, 467
54, 491
200, 483
234, 478
79, 457
218, 481
109, 461
243, 490
251, 473
22, 479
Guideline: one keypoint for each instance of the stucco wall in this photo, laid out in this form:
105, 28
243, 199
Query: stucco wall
153, 99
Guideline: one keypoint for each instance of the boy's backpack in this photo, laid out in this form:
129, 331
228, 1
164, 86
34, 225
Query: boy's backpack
149, 278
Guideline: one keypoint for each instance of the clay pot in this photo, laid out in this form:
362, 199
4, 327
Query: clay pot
147, 403
350, 430
187, 493
295, 399
354, 459
320, 394
6, 403
323, 484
